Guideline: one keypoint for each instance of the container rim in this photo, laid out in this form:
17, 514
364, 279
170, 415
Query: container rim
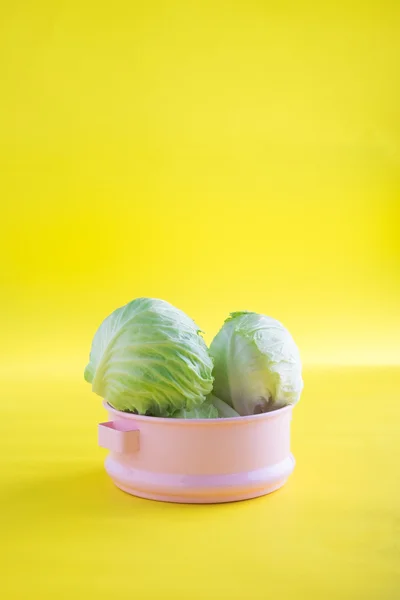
268, 416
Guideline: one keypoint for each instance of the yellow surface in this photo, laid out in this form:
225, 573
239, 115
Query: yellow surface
222, 156
332, 532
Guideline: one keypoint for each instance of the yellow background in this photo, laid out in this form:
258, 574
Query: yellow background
222, 156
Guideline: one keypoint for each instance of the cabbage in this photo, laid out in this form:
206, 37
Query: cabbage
222, 408
213, 408
257, 365
149, 358
204, 411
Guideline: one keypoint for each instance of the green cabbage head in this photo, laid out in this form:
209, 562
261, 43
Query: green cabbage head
148, 357
257, 365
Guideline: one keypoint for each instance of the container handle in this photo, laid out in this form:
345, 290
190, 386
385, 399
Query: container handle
119, 436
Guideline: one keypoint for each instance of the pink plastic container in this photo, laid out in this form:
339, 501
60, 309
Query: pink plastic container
198, 460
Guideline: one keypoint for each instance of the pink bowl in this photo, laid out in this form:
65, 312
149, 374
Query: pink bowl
198, 460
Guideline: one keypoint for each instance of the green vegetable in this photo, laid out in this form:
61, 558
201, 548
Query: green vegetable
148, 357
212, 408
223, 409
257, 365
204, 411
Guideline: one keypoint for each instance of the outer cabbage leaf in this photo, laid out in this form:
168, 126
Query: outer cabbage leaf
223, 409
204, 411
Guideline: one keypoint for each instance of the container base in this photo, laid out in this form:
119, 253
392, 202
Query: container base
198, 489
209, 499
